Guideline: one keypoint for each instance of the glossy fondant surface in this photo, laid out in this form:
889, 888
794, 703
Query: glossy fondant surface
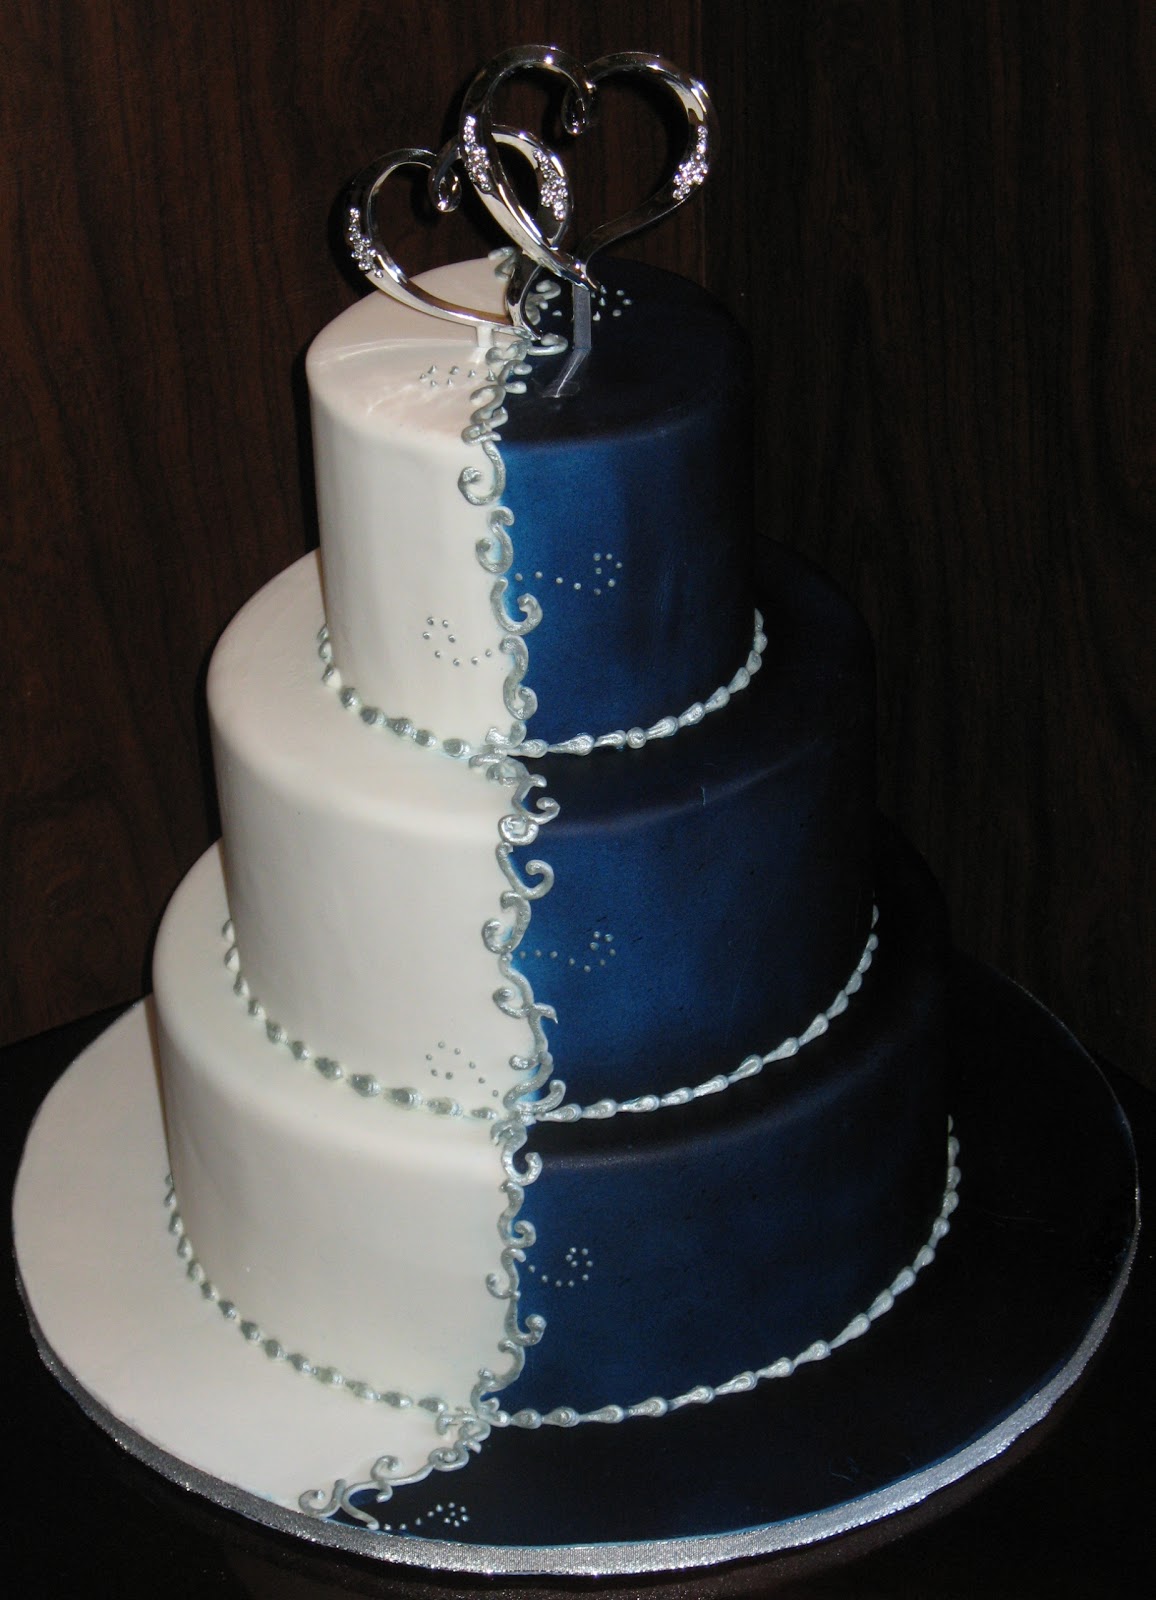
712, 892
407, 920
632, 511
630, 505
362, 869
267, 1156
673, 1248
997, 1330
772, 1213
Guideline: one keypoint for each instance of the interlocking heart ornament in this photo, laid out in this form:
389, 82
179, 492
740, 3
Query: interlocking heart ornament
477, 152
364, 236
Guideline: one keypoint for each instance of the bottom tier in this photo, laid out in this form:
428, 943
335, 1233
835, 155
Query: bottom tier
683, 1246
686, 1246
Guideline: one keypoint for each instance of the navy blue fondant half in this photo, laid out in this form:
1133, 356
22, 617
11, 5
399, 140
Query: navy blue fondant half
631, 503
686, 1246
712, 891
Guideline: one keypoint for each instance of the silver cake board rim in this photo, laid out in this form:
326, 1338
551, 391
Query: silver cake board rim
611, 1558
600, 1560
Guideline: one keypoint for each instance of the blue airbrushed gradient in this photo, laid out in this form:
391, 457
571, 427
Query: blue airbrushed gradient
721, 1236
632, 514
712, 892
723, 876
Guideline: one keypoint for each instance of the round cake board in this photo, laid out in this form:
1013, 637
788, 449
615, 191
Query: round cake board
995, 1331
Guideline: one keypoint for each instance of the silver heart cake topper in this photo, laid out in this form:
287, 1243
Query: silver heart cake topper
478, 153
364, 237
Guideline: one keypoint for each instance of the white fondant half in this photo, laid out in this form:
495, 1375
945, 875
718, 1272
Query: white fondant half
115, 1310
265, 1154
407, 603
360, 871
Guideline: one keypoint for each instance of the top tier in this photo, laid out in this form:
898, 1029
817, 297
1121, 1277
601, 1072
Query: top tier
629, 504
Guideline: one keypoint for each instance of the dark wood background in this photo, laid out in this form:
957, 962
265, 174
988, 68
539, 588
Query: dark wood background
935, 219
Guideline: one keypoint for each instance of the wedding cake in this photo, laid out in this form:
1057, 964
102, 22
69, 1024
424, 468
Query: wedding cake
556, 1038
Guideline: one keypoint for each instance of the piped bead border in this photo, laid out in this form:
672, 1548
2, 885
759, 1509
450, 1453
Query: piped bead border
365, 1084
703, 1393
252, 1332
550, 1108
569, 1416
582, 744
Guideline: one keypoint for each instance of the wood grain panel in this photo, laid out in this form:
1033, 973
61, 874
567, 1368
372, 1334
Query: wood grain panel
937, 222
947, 227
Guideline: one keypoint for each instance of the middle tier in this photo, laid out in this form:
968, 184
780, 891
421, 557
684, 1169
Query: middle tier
712, 891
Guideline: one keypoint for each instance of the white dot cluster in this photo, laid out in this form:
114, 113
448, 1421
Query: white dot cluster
447, 379
749, 1067
577, 1266
447, 1515
743, 1382
447, 646
364, 1084
453, 1061
605, 303
580, 745
598, 952
606, 568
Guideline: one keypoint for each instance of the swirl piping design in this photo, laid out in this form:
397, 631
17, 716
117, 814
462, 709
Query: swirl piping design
474, 1429
506, 369
549, 1107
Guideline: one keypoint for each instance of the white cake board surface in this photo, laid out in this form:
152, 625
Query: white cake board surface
121, 1327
